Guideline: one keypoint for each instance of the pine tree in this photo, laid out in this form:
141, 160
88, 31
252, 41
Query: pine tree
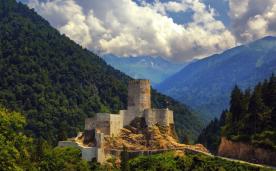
222, 119
236, 107
256, 108
271, 92
235, 103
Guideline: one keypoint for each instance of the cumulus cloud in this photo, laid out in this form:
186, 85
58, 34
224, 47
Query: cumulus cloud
252, 19
124, 28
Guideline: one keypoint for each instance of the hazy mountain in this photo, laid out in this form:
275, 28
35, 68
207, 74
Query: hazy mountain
207, 83
56, 83
155, 69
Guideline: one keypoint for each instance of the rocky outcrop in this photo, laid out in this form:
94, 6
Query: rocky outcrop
139, 137
247, 152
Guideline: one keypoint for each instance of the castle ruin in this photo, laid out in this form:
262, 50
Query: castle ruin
104, 125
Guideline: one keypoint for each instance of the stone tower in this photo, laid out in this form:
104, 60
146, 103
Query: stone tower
139, 95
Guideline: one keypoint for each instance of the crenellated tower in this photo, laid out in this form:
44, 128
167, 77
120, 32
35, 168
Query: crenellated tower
139, 97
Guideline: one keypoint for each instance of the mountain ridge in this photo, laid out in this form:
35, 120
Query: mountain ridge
155, 69
206, 84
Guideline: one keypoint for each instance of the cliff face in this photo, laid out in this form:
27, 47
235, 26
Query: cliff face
242, 151
138, 137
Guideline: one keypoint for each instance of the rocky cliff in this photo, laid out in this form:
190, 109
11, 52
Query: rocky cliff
247, 152
138, 137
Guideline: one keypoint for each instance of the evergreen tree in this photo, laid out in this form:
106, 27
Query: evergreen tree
236, 107
271, 92
252, 117
256, 108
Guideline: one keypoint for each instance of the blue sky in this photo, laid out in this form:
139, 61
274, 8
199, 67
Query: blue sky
178, 30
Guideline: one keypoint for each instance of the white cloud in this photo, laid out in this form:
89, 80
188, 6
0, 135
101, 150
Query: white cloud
252, 19
125, 28
67, 16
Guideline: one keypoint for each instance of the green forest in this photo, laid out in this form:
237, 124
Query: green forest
172, 161
20, 152
56, 84
251, 118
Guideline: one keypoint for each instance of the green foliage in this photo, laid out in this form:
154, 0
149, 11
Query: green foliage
210, 136
14, 144
67, 159
18, 152
169, 162
251, 118
56, 83
154, 162
255, 124
124, 159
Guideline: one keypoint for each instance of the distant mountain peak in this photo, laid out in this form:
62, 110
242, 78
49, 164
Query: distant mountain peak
154, 68
207, 83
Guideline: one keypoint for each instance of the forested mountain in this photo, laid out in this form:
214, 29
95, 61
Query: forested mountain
56, 83
206, 84
251, 118
155, 69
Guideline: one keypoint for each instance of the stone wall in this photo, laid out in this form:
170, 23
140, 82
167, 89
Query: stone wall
160, 116
139, 94
164, 116
67, 144
116, 124
88, 153
130, 114
109, 124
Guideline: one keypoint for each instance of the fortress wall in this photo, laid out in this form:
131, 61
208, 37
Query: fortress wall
161, 116
100, 155
170, 115
150, 117
116, 124
100, 122
106, 123
129, 115
139, 95
67, 144
88, 153
99, 136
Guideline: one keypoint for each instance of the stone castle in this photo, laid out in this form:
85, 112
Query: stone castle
104, 125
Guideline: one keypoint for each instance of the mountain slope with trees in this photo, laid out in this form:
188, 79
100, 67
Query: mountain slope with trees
251, 118
206, 84
56, 83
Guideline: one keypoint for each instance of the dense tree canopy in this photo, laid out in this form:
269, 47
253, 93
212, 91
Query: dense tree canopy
251, 118
188, 162
14, 153
19, 152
